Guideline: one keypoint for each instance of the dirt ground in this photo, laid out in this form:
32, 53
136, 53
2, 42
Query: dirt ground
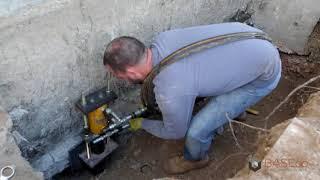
141, 157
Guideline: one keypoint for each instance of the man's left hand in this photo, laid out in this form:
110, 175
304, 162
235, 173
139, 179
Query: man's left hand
135, 124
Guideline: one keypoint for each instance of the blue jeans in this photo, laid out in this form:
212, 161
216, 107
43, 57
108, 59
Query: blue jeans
212, 117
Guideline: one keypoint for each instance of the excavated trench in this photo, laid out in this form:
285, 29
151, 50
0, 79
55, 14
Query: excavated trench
141, 155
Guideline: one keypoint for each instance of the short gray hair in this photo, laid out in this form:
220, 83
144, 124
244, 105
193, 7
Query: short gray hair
124, 51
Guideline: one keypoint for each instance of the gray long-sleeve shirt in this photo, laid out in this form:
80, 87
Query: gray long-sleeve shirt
211, 72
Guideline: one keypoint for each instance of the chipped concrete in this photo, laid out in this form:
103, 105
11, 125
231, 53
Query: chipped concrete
10, 153
51, 52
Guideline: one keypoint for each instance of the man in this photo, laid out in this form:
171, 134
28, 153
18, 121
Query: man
236, 75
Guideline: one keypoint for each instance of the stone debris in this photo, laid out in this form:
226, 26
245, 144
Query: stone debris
10, 153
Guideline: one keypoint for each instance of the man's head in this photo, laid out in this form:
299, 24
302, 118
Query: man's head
128, 58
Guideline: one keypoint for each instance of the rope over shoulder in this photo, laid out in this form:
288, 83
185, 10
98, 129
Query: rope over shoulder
147, 94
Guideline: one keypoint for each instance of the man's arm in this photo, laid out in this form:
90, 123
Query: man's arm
176, 113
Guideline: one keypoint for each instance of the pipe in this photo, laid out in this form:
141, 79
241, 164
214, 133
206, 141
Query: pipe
121, 124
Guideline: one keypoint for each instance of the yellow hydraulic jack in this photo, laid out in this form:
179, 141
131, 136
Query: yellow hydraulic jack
100, 124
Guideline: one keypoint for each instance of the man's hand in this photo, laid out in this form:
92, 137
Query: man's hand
135, 124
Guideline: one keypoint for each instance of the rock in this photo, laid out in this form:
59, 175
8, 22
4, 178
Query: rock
137, 152
136, 166
154, 162
145, 168
18, 114
19, 138
28, 149
312, 107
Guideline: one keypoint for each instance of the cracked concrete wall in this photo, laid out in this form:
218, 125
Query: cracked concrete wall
52, 52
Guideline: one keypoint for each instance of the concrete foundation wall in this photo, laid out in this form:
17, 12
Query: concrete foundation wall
8, 7
52, 52
289, 22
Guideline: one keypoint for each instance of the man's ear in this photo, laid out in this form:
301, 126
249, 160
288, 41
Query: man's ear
131, 70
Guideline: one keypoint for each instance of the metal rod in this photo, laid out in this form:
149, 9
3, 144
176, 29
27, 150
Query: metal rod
109, 111
108, 81
86, 139
108, 134
134, 114
85, 119
127, 118
86, 127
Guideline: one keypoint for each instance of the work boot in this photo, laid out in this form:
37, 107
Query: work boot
178, 165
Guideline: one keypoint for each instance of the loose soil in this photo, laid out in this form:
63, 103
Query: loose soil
142, 156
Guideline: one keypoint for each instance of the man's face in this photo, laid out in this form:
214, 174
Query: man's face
130, 76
